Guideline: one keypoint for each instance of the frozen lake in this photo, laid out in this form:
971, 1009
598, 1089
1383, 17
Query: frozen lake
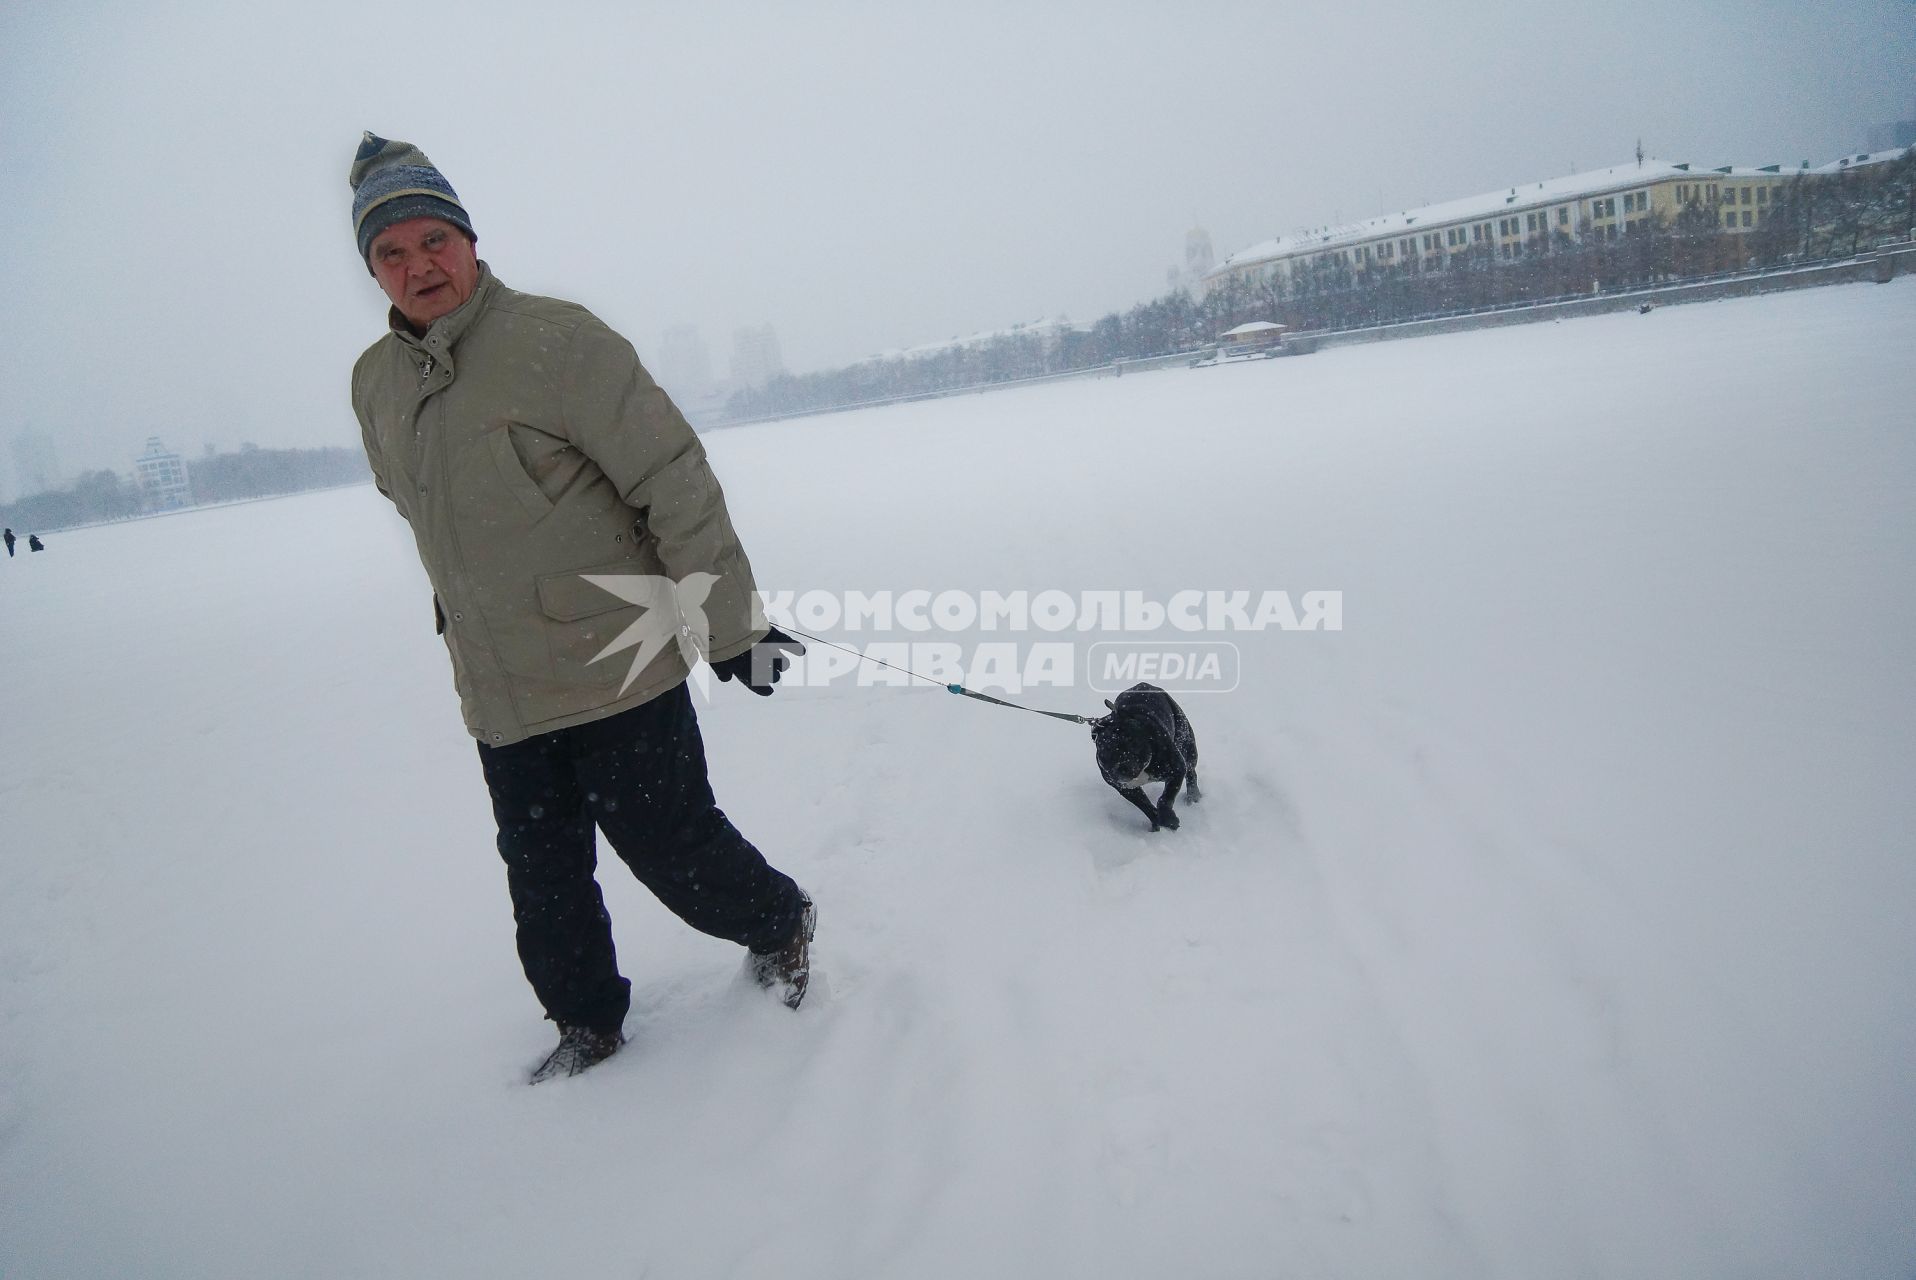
1552, 918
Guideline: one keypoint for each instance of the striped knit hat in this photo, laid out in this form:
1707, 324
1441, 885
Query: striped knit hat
393, 181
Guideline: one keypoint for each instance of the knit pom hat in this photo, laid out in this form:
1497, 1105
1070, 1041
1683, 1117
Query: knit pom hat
393, 181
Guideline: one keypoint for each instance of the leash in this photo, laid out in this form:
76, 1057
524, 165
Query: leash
949, 688
1000, 702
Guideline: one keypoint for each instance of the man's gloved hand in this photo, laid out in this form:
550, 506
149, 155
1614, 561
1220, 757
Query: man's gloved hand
760, 666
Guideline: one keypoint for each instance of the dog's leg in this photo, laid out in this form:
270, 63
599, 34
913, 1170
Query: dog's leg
1166, 814
1136, 797
1190, 780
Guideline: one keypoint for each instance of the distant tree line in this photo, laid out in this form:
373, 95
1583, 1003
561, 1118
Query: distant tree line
252, 472
1818, 216
260, 473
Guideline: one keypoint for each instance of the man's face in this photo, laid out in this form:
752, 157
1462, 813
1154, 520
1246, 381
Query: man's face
426, 266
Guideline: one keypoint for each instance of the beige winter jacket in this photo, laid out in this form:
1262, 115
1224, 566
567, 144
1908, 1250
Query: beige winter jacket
526, 446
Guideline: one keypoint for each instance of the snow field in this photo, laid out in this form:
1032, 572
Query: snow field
1550, 919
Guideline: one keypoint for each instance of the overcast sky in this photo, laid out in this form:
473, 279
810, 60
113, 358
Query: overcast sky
177, 251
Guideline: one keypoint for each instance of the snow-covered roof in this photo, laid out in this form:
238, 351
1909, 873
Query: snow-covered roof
1254, 326
1525, 197
1862, 160
1491, 204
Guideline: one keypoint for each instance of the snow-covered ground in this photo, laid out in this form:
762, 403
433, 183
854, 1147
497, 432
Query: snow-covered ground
1553, 918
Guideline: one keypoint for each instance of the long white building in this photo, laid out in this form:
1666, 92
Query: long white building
1521, 220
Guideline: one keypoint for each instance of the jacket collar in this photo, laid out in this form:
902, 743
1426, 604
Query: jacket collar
452, 326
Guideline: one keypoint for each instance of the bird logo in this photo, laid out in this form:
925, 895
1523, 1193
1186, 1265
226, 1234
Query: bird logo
672, 613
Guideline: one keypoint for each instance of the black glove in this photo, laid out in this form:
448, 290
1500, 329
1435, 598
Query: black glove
760, 666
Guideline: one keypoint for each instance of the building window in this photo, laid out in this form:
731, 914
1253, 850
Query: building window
1563, 216
1729, 219
1477, 232
1762, 195
1746, 217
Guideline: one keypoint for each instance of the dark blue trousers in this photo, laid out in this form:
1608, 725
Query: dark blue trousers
639, 777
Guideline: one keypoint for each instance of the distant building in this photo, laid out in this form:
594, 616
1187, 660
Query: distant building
685, 367
35, 465
162, 478
1517, 222
1198, 261
1198, 257
755, 357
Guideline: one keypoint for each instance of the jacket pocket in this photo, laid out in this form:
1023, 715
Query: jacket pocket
512, 473
568, 597
581, 619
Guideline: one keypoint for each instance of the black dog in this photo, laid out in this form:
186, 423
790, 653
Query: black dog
1147, 739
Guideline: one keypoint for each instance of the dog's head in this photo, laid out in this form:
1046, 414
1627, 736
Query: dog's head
1124, 750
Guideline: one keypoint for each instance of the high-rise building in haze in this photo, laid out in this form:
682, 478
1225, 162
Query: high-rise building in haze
36, 468
1198, 258
162, 474
685, 367
755, 357
1198, 261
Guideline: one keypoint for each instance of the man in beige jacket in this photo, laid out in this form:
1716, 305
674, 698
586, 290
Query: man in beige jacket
549, 482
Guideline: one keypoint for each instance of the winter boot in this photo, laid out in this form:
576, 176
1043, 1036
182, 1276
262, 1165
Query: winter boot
579, 1048
788, 969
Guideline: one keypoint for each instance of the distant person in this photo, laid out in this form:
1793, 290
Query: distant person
33, 544
526, 446
9, 537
